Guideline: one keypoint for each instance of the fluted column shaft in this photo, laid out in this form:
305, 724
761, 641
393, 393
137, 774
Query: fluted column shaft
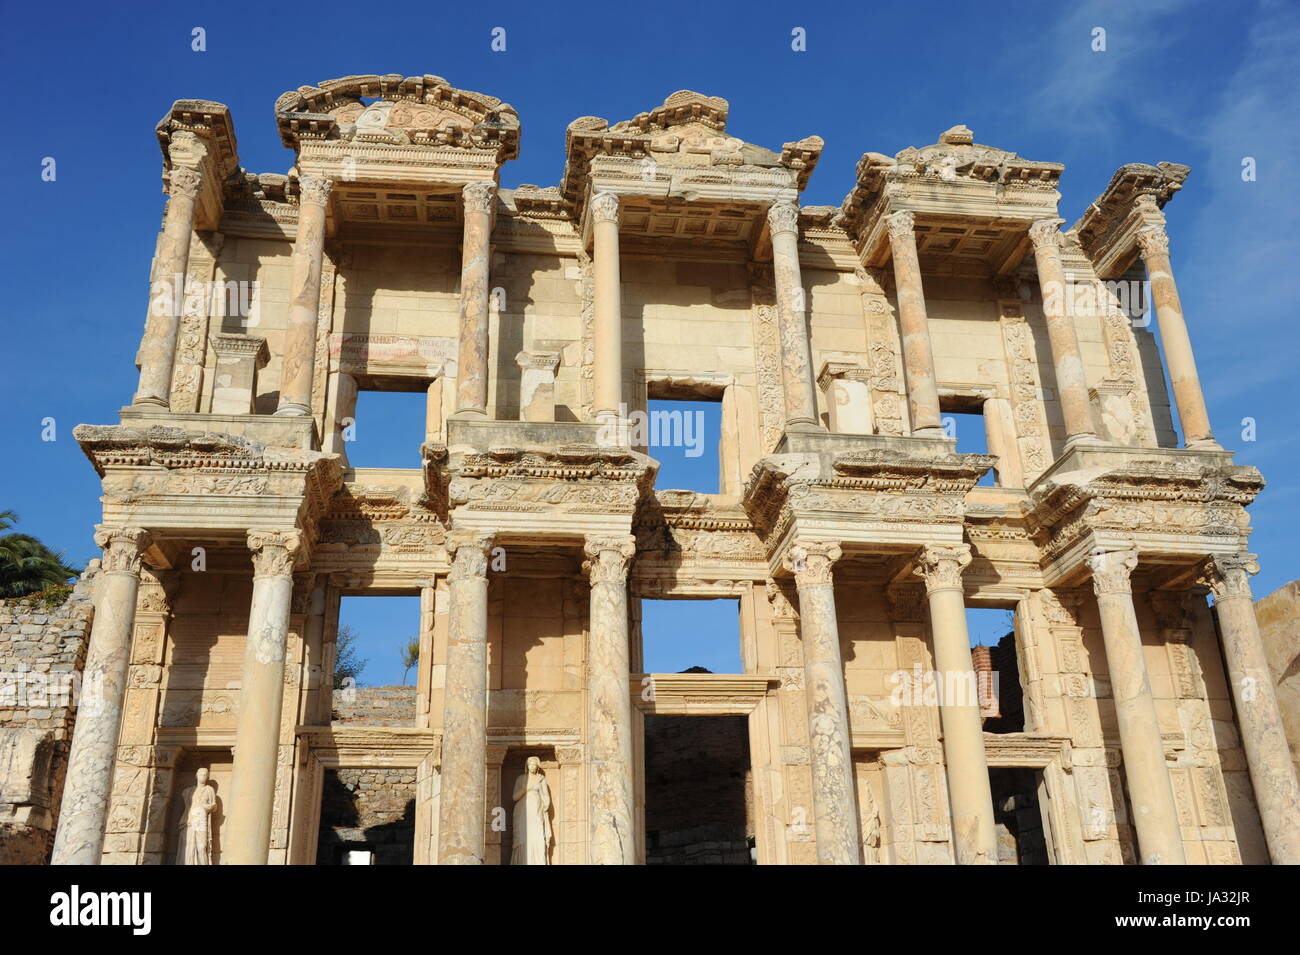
830, 749
463, 804
472, 355
1067, 359
157, 352
1151, 794
261, 695
608, 305
914, 328
1268, 755
83, 813
298, 359
610, 789
969, 793
1153, 242
792, 316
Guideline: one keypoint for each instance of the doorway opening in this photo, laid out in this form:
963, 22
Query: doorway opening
367, 817
699, 799
1018, 815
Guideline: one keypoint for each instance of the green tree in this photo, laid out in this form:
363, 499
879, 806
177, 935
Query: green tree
347, 665
27, 566
410, 656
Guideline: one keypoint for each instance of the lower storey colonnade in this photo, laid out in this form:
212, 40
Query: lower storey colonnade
611, 814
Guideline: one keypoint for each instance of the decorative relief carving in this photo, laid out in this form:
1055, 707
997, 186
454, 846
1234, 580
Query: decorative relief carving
123, 548
1112, 570
941, 566
479, 197
812, 562
469, 555
604, 207
901, 225
182, 181
608, 559
783, 217
1046, 234
315, 190
274, 552
1153, 240
1228, 575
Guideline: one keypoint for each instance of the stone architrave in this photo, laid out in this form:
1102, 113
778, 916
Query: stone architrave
973, 830
914, 327
157, 354
261, 694
472, 354
83, 814
611, 798
298, 362
1149, 788
834, 801
463, 806
1259, 718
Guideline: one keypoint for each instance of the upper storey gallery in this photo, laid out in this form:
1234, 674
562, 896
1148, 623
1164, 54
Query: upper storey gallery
672, 261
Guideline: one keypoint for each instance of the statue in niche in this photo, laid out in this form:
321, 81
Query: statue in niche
196, 830
870, 827
532, 816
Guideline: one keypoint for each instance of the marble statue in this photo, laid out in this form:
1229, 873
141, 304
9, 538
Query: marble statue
196, 832
532, 819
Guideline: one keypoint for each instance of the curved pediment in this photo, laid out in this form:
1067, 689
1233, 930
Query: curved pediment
412, 110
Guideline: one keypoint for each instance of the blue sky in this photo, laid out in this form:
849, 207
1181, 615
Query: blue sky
1202, 83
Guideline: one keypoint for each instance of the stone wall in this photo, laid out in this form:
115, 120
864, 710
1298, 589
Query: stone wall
42, 651
374, 706
370, 809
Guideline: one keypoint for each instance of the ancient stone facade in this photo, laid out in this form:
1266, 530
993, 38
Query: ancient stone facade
672, 260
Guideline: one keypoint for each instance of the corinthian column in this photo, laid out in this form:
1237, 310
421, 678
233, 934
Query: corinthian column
1153, 242
298, 359
608, 304
611, 797
834, 803
1150, 791
974, 835
261, 693
462, 808
1267, 753
167, 290
83, 812
472, 355
792, 317
1067, 360
914, 325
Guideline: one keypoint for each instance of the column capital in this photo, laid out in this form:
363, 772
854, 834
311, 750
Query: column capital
479, 197
1153, 240
1112, 570
314, 190
274, 552
812, 561
901, 225
469, 554
184, 181
783, 217
123, 548
941, 566
608, 558
604, 207
1228, 575
1045, 234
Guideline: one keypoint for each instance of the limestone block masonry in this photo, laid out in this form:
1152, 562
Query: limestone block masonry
673, 260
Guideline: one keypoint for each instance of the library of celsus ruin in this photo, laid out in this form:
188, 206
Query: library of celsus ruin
1135, 721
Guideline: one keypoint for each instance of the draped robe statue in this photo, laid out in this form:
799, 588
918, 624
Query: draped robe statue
532, 819
196, 830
